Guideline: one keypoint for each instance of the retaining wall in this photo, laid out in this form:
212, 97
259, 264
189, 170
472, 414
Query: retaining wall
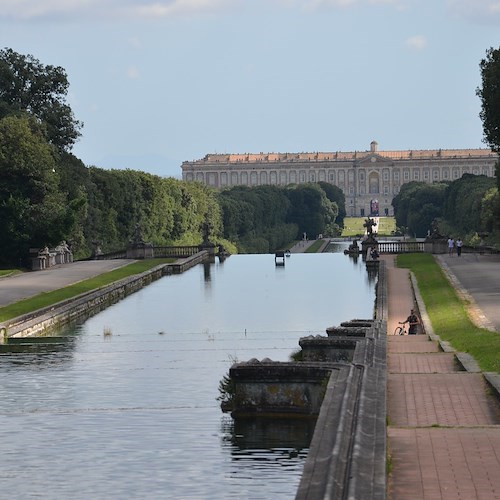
46, 320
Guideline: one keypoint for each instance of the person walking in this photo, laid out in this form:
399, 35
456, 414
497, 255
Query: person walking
412, 321
459, 247
451, 246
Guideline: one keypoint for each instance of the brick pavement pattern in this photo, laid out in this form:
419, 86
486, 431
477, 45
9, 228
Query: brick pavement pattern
445, 464
444, 424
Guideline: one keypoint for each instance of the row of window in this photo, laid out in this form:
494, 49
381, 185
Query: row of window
254, 178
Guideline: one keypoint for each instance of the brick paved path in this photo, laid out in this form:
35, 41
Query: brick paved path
444, 423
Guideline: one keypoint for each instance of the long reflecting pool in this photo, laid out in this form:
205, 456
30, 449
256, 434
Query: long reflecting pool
124, 406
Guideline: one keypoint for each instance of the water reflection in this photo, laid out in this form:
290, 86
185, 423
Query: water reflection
256, 434
138, 408
37, 351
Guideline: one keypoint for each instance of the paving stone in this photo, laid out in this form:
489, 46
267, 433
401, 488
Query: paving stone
445, 464
422, 363
440, 399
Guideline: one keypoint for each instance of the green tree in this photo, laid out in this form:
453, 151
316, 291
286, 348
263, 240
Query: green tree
464, 202
417, 204
335, 194
310, 209
27, 86
33, 211
489, 94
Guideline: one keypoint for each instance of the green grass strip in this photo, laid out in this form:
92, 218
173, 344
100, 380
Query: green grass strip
448, 313
314, 248
46, 299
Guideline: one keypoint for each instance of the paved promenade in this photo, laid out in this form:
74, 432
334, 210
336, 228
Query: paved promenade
444, 423
22, 286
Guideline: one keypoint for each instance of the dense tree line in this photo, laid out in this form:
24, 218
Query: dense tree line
48, 195
465, 206
265, 218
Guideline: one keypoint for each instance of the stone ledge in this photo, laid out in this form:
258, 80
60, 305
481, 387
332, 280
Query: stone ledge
493, 380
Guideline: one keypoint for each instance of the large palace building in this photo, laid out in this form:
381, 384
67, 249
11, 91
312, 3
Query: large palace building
369, 179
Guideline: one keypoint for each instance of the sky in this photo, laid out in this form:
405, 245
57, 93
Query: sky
158, 82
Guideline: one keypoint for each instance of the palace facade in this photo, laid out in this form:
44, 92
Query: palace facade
369, 179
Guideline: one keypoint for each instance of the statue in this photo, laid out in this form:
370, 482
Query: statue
206, 230
434, 232
138, 238
369, 224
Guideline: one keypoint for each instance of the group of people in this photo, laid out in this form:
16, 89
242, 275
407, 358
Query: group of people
452, 244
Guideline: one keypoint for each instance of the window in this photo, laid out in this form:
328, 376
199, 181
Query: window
373, 181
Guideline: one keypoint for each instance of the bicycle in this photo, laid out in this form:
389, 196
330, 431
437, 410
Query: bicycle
400, 330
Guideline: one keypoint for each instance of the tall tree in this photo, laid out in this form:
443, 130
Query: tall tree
33, 212
489, 94
28, 86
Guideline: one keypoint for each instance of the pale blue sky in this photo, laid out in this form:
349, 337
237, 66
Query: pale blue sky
157, 82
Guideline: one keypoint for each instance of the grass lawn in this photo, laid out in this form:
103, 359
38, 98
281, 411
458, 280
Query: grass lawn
49, 298
353, 226
448, 313
8, 272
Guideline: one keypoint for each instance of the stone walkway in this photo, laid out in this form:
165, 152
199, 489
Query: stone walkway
443, 422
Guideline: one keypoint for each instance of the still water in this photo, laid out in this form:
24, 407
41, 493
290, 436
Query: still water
124, 406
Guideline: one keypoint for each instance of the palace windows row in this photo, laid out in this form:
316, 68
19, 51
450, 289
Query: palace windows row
367, 181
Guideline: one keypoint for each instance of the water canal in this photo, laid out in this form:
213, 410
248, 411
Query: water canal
124, 406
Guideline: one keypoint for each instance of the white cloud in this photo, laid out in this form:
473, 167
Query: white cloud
478, 11
133, 72
317, 4
107, 9
29, 9
156, 9
135, 42
417, 42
